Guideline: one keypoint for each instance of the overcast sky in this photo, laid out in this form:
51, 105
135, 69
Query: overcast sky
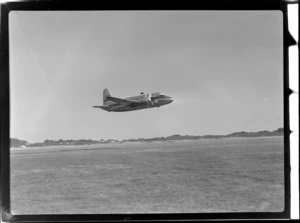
224, 70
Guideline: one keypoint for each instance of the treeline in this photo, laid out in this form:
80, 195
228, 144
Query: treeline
19, 143
278, 132
70, 142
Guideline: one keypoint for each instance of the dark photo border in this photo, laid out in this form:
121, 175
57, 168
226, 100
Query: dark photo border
6, 8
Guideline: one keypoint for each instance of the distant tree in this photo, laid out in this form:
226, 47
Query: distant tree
17, 142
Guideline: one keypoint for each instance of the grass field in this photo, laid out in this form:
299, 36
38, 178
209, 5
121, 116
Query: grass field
197, 176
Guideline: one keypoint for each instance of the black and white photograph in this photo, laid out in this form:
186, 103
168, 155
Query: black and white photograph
146, 112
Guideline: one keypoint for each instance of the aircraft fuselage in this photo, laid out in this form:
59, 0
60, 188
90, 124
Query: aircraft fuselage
143, 101
115, 107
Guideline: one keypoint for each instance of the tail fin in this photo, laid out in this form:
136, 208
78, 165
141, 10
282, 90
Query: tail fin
105, 94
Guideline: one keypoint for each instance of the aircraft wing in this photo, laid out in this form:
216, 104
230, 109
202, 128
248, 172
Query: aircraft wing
123, 101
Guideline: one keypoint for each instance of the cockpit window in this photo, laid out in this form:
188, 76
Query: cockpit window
158, 95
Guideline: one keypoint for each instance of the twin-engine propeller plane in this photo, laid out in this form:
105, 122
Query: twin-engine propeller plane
141, 101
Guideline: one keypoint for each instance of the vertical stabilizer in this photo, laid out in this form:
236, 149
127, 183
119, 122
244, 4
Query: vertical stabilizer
105, 94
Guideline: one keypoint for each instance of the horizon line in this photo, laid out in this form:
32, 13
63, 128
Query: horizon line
149, 137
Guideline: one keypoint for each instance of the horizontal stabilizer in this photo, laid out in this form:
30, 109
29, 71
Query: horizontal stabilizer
99, 106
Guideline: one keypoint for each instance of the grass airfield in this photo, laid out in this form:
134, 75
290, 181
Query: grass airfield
191, 176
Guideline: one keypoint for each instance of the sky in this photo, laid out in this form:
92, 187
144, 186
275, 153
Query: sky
223, 69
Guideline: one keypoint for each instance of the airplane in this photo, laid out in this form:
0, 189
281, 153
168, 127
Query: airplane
142, 101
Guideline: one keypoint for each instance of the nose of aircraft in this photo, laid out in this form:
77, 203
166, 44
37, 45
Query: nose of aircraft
169, 100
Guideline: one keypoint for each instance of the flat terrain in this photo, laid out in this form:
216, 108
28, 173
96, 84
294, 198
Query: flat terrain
196, 176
